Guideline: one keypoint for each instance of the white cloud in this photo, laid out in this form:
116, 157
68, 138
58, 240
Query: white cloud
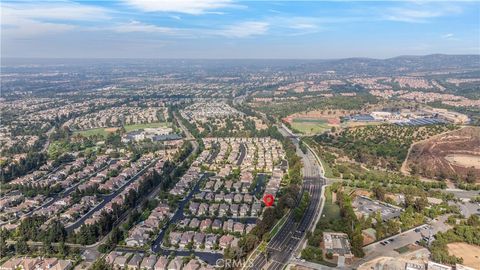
136, 26
420, 13
449, 36
244, 29
194, 7
26, 19
54, 11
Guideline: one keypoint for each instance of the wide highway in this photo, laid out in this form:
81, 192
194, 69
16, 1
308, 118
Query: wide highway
285, 242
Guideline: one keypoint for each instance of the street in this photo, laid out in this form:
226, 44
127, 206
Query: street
285, 242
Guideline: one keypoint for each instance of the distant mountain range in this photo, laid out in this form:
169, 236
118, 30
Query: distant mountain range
397, 65
348, 66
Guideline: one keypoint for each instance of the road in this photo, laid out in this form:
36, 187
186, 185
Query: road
188, 135
210, 257
154, 192
467, 208
69, 190
47, 142
462, 194
281, 247
108, 198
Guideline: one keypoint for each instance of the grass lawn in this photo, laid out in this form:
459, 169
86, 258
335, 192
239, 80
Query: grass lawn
104, 131
402, 249
310, 126
129, 128
331, 210
93, 131
327, 169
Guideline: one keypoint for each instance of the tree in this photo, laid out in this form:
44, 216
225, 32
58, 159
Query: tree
249, 242
379, 193
409, 200
101, 264
329, 255
4, 248
357, 242
471, 176
21, 246
421, 203
392, 227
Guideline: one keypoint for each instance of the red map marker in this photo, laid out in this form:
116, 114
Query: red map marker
268, 199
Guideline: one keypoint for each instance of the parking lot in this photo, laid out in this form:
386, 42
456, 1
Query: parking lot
389, 245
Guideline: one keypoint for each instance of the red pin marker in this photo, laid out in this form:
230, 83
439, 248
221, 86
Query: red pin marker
268, 199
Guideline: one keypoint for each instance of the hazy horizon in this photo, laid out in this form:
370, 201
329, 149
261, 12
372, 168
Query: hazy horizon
233, 59
230, 29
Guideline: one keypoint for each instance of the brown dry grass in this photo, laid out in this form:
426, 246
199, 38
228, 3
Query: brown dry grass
464, 160
435, 154
469, 253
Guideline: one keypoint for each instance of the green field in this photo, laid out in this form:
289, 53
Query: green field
103, 131
327, 169
93, 131
402, 249
310, 126
129, 128
331, 211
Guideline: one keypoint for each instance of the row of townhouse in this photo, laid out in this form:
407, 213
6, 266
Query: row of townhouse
152, 262
187, 181
200, 240
113, 117
120, 198
206, 225
141, 232
225, 209
28, 263
228, 198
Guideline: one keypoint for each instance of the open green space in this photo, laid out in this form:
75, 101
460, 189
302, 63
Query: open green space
327, 169
331, 211
128, 128
92, 132
310, 126
402, 250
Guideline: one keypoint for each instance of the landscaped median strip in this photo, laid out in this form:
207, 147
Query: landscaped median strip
262, 247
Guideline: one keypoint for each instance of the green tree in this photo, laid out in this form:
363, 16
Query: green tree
101, 264
21, 246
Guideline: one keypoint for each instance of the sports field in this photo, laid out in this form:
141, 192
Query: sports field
94, 131
310, 126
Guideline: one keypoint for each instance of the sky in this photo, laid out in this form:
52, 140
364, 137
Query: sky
237, 29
